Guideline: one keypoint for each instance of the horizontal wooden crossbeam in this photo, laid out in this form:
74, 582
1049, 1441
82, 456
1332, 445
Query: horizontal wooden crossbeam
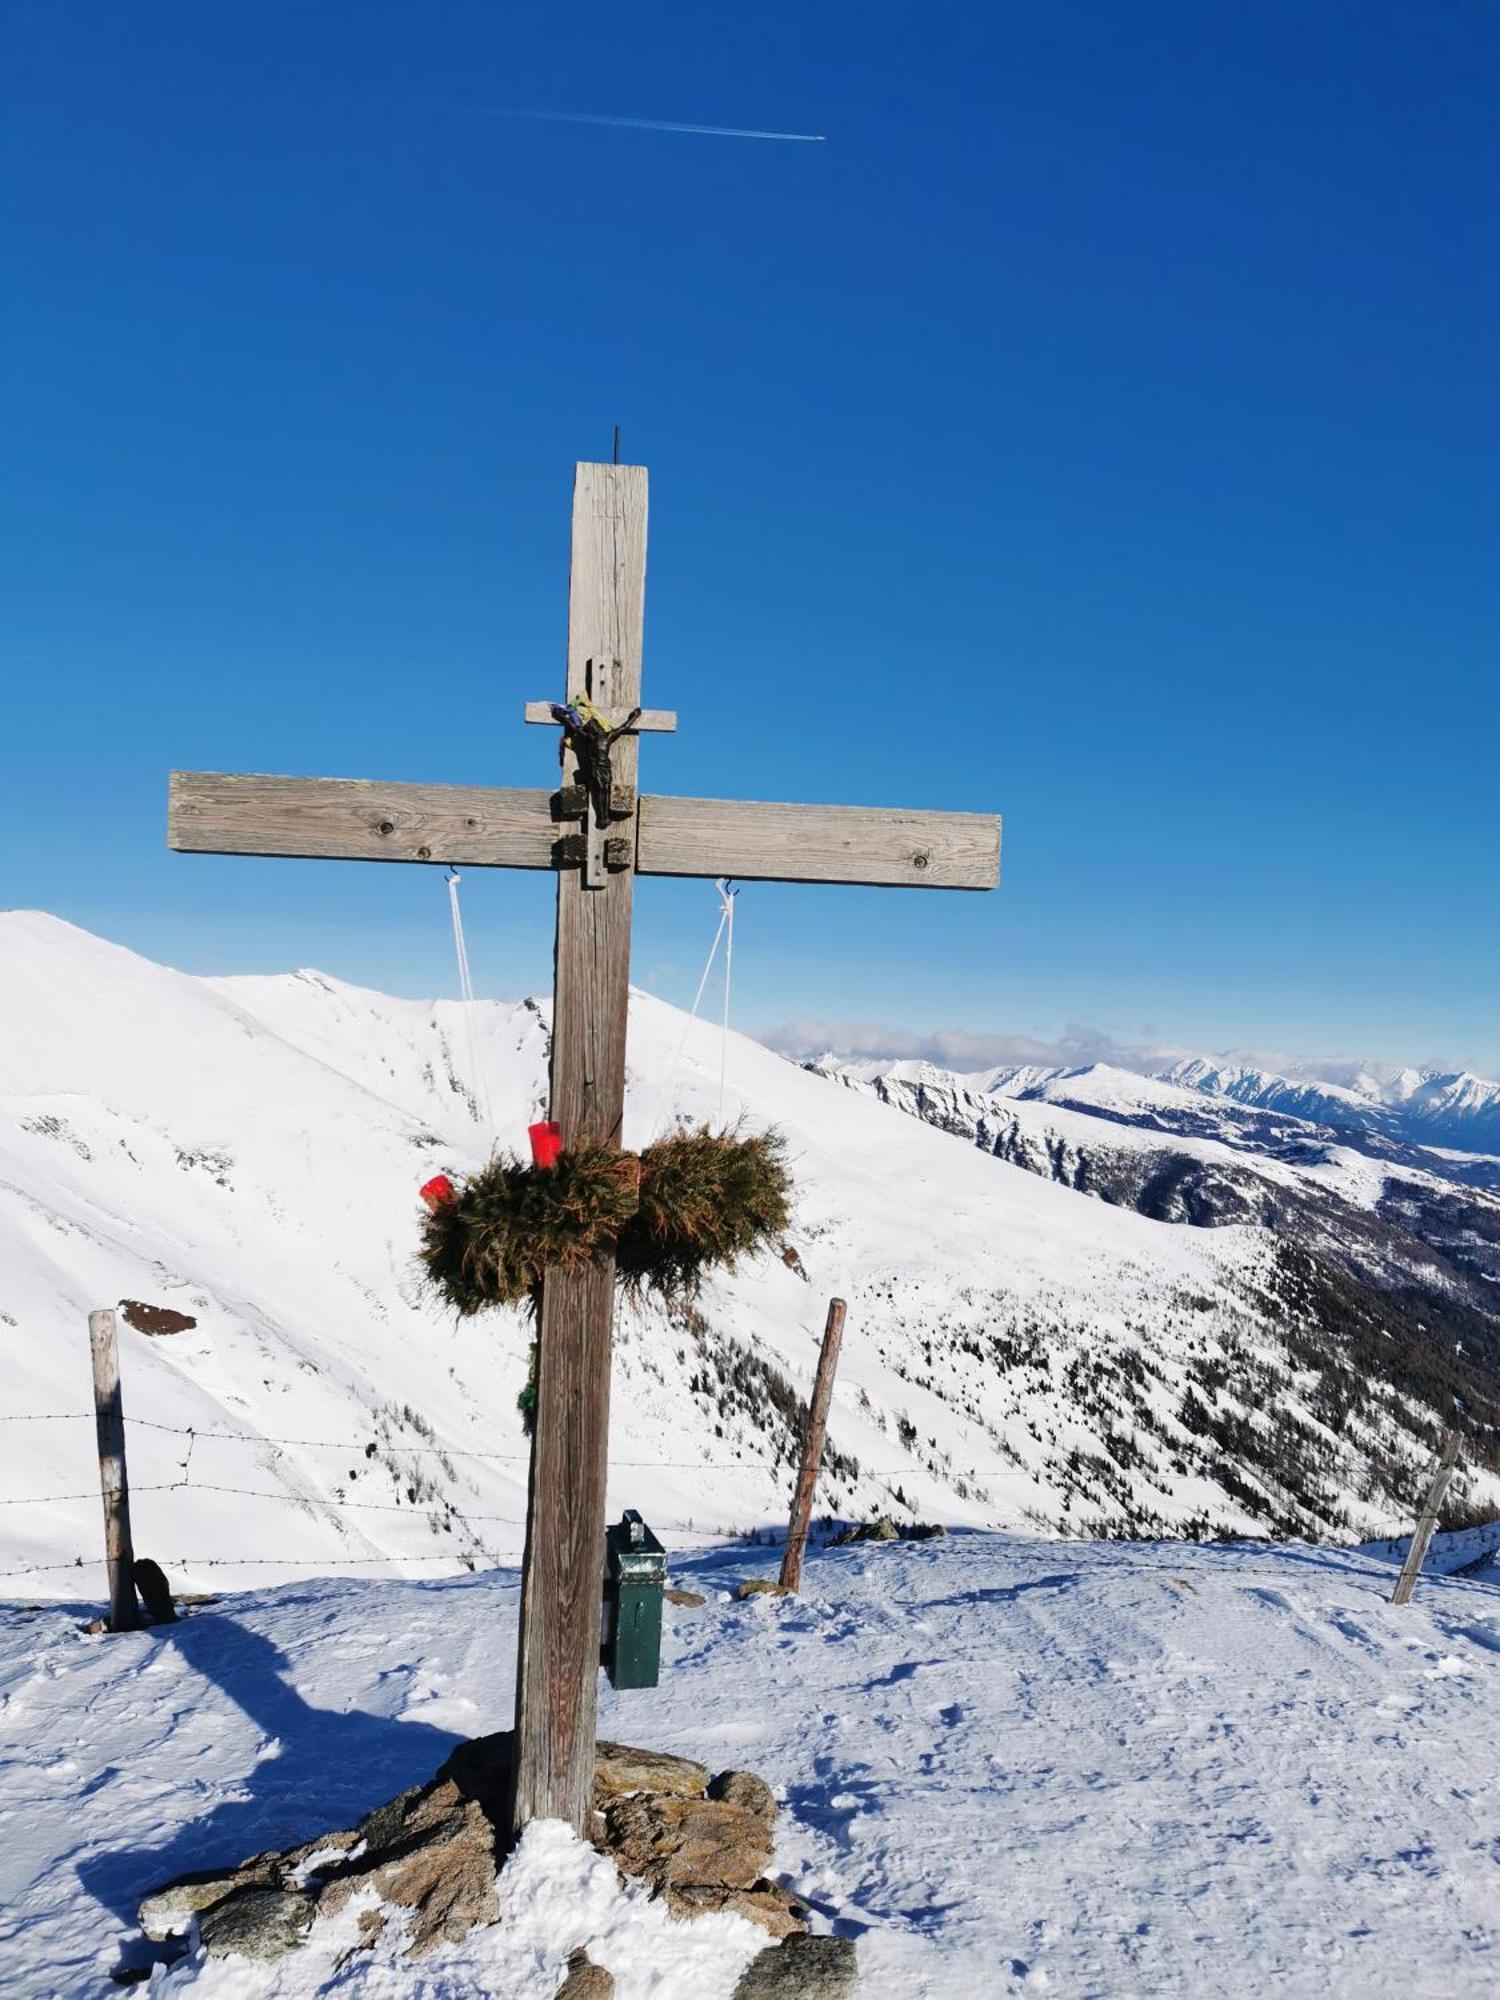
757, 840
357, 819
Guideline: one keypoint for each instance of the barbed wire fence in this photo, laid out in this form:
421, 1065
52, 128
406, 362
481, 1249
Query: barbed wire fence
780, 1470
1184, 1552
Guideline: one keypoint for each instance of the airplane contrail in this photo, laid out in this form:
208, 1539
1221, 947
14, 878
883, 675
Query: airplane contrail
662, 125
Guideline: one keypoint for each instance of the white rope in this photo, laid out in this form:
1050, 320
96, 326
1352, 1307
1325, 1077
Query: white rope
466, 1001
465, 983
726, 923
727, 893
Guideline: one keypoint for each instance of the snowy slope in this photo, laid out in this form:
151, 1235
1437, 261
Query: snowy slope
249, 1150
1006, 1768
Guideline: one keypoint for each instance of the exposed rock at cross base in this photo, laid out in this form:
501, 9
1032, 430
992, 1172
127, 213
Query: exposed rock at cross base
800, 1968
620, 1770
257, 1923
759, 1586
433, 1852
744, 1788
430, 1851
585, 1980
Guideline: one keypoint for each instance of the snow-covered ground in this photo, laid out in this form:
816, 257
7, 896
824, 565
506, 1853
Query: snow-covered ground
1007, 1767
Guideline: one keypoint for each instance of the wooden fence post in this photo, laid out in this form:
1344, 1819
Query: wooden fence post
812, 1448
109, 1421
1427, 1521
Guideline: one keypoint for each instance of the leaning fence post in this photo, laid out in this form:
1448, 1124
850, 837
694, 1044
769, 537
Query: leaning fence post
109, 1421
812, 1448
1427, 1521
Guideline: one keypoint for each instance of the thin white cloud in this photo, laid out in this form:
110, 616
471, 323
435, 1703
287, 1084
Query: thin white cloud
658, 125
967, 1051
955, 1048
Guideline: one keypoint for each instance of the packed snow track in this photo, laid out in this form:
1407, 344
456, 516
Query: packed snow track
1095, 1771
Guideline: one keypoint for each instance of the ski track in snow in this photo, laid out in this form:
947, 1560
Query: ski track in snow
1095, 1771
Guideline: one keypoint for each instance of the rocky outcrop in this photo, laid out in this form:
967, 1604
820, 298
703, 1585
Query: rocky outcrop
687, 1843
886, 1530
257, 1923
706, 1852
620, 1769
585, 1980
701, 1844
746, 1790
431, 1851
800, 1968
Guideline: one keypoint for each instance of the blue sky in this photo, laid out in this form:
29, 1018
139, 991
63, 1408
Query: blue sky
1099, 427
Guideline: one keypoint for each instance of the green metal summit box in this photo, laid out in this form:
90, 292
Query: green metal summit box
635, 1575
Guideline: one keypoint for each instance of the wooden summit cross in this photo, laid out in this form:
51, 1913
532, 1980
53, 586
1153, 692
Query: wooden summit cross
598, 836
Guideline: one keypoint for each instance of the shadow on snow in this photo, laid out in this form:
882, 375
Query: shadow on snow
320, 1769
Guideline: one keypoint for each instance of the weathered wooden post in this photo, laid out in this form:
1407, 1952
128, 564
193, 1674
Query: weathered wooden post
109, 1422
1427, 1521
557, 1673
812, 1448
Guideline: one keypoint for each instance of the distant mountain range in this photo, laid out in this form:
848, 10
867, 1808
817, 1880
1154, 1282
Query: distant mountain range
1450, 1109
1418, 1106
1396, 1235
1444, 1122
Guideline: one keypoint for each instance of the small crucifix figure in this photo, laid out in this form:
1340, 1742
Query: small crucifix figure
597, 832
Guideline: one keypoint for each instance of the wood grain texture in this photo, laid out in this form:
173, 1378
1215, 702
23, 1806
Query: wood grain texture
812, 1448
759, 841
557, 1671
557, 1668
109, 1426
357, 819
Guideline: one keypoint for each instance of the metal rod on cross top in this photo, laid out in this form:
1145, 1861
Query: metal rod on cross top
597, 833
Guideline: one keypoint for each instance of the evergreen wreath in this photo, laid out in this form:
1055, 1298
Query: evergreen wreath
694, 1202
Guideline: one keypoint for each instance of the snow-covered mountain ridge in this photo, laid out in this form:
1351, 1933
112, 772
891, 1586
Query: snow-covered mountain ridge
1421, 1106
248, 1151
1362, 1102
1181, 1153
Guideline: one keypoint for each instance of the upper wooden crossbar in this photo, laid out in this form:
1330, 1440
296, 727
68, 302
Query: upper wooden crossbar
357, 819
